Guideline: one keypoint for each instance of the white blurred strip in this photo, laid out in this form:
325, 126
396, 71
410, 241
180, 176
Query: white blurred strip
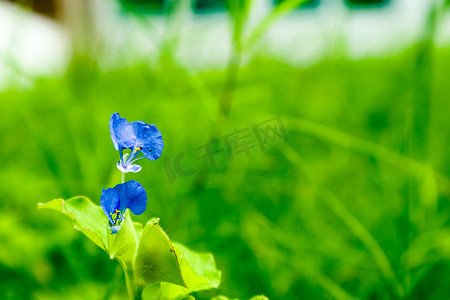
30, 45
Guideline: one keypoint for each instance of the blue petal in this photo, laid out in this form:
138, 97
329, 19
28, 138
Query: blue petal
110, 201
122, 133
133, 196
149, 138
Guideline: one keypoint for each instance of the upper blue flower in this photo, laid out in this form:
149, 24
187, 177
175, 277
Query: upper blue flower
137, 136
115, 201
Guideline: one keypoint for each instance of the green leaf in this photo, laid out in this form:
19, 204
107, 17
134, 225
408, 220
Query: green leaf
165, 291
139, 229
91, 220
156, 260
123, 244
199, 273
198, 269
86, 216
147, 254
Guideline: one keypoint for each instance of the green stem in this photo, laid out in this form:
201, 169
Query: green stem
133, 291
122, 177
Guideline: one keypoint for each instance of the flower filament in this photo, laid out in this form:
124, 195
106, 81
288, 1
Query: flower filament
117, 217
126, 160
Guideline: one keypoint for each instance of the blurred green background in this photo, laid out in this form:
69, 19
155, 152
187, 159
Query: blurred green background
354, 205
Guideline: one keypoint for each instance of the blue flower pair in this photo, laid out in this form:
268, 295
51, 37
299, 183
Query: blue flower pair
140, 138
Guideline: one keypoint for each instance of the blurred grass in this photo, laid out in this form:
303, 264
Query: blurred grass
353, 206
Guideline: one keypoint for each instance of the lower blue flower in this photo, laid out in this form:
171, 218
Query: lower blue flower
115, 201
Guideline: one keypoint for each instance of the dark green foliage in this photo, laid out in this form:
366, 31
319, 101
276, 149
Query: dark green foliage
366, 3
202, 6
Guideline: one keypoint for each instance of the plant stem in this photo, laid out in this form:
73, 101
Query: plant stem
122, 177
133, 291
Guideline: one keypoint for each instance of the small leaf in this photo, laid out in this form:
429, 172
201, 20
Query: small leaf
198, 269
199, 273
156, 260
86, 216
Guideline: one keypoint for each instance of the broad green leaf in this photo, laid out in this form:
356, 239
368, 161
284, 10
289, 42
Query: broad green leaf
198, 269
122, 245
199, 273
86, 216
91, 220
156, 260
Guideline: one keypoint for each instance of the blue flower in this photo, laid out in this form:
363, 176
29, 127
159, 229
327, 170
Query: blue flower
115, 201
137, 136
